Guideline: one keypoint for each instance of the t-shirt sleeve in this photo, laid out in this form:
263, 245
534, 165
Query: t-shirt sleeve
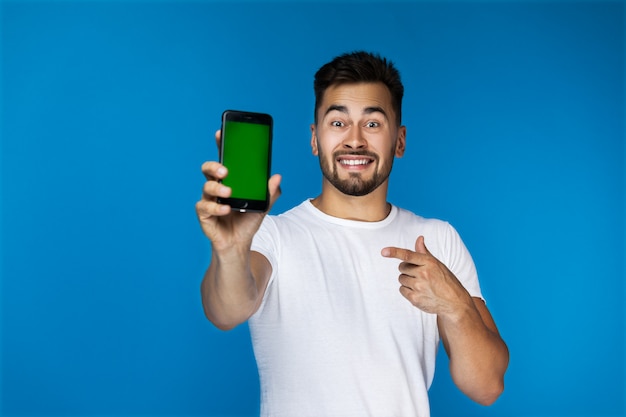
265, 242
460, 262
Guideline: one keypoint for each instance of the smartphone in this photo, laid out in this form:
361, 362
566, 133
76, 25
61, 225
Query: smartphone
245, 150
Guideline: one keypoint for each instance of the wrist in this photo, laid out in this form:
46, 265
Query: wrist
459, 311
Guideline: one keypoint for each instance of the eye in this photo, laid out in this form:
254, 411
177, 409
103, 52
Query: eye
336, 123
372, 124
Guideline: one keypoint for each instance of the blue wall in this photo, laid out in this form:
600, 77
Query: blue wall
515, 116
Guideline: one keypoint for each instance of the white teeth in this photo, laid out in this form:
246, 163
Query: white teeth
354, 161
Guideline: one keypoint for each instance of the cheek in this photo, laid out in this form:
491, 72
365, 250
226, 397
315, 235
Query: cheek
383, 148
325, 146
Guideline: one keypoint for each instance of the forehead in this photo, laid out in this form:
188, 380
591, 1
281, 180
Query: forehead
357, 96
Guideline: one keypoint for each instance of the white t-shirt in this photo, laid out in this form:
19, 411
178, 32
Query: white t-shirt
333, 336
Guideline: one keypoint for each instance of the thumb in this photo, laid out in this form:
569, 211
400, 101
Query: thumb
218, 138
274, 188
420, 246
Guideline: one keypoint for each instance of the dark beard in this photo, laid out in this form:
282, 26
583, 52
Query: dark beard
355, 185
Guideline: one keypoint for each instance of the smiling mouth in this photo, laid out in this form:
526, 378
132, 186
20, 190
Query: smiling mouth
354, 160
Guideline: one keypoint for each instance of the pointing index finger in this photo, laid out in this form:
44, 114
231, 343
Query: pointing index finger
398, 253
404, 255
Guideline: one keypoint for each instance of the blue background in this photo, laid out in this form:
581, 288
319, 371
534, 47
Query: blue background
515, 116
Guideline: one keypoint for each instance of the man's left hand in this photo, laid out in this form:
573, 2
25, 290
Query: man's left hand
426, 282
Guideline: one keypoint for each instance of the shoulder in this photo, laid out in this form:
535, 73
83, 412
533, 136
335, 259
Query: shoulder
299, 214
274, 225
407, 217
300, 210
439, 235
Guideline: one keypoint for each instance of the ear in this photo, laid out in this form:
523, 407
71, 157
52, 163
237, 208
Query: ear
314, 140
401, 141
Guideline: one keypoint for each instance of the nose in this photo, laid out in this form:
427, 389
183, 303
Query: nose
354, 139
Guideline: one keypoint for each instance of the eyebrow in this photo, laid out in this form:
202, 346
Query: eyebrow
367, 110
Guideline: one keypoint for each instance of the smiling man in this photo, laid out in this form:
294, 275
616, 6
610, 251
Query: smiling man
347, 295
356, 142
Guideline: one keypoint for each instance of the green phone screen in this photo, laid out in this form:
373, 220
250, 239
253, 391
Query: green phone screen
245, 154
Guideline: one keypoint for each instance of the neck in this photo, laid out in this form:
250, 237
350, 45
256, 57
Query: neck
372, 207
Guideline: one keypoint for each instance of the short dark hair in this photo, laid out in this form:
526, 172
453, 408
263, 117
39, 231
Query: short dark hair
360, 66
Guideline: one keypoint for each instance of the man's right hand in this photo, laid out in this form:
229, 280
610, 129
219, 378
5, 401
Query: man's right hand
226, 228
233, 286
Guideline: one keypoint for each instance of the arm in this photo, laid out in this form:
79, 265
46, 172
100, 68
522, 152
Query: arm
478, 355
235, 281
233, 287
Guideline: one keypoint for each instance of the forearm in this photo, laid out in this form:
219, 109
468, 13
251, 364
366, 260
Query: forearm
229, 291
478, 355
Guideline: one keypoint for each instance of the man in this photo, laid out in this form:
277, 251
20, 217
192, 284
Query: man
332, 335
